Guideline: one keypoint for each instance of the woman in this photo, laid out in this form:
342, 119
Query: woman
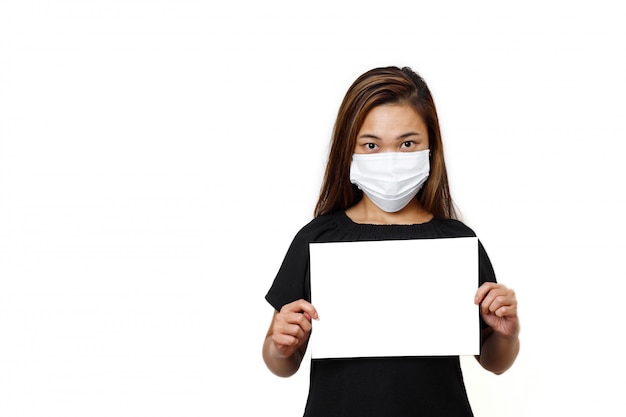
385, 179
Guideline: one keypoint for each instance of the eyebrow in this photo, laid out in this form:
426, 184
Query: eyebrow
403, 136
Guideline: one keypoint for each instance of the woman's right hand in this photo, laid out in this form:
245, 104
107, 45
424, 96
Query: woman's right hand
291, 327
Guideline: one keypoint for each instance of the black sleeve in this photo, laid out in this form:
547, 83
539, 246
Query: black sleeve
485, 269
485, 272
293, 279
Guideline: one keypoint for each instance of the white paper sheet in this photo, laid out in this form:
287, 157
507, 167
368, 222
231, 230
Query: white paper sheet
395, 298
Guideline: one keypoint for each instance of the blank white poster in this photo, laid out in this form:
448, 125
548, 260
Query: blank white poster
395, 298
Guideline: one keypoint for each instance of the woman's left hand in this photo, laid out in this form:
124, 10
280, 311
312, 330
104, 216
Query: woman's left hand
498, 307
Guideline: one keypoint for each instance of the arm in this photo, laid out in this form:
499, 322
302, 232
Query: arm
288, 337
500, 342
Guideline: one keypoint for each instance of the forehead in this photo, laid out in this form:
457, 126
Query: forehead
393, 117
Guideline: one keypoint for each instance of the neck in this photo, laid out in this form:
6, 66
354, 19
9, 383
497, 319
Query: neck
367, 212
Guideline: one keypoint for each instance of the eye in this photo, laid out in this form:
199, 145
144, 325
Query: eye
408, 144
371, 146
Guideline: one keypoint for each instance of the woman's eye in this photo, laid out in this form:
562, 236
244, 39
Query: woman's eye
370, 146
407, 144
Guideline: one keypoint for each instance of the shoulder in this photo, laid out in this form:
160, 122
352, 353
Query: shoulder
454, 228
319, 228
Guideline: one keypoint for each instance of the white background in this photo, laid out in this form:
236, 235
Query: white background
157, 157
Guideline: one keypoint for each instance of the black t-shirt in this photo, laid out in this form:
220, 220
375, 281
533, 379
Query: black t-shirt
380, 387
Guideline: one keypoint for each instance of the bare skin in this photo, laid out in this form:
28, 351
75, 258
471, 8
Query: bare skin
395, 128
500, 342
288, 337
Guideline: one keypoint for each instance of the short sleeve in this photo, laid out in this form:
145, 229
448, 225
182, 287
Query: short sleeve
292, 282
485, 272
485, 269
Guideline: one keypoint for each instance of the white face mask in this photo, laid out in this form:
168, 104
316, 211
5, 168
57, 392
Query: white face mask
390, 179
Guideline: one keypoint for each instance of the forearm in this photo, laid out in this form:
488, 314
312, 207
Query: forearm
498, 352
281, 366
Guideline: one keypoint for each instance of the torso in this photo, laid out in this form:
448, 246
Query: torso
389, 386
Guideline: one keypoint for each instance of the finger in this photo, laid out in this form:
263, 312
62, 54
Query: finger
500, 302
506, 311
297, 330
298, 319
285, 340
301, 306
492, 302
505, 305
484, 289
294, 324
308, 310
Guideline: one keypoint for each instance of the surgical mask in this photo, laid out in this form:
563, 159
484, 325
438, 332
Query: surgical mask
390, 179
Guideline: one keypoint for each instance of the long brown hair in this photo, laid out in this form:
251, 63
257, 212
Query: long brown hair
388, 85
